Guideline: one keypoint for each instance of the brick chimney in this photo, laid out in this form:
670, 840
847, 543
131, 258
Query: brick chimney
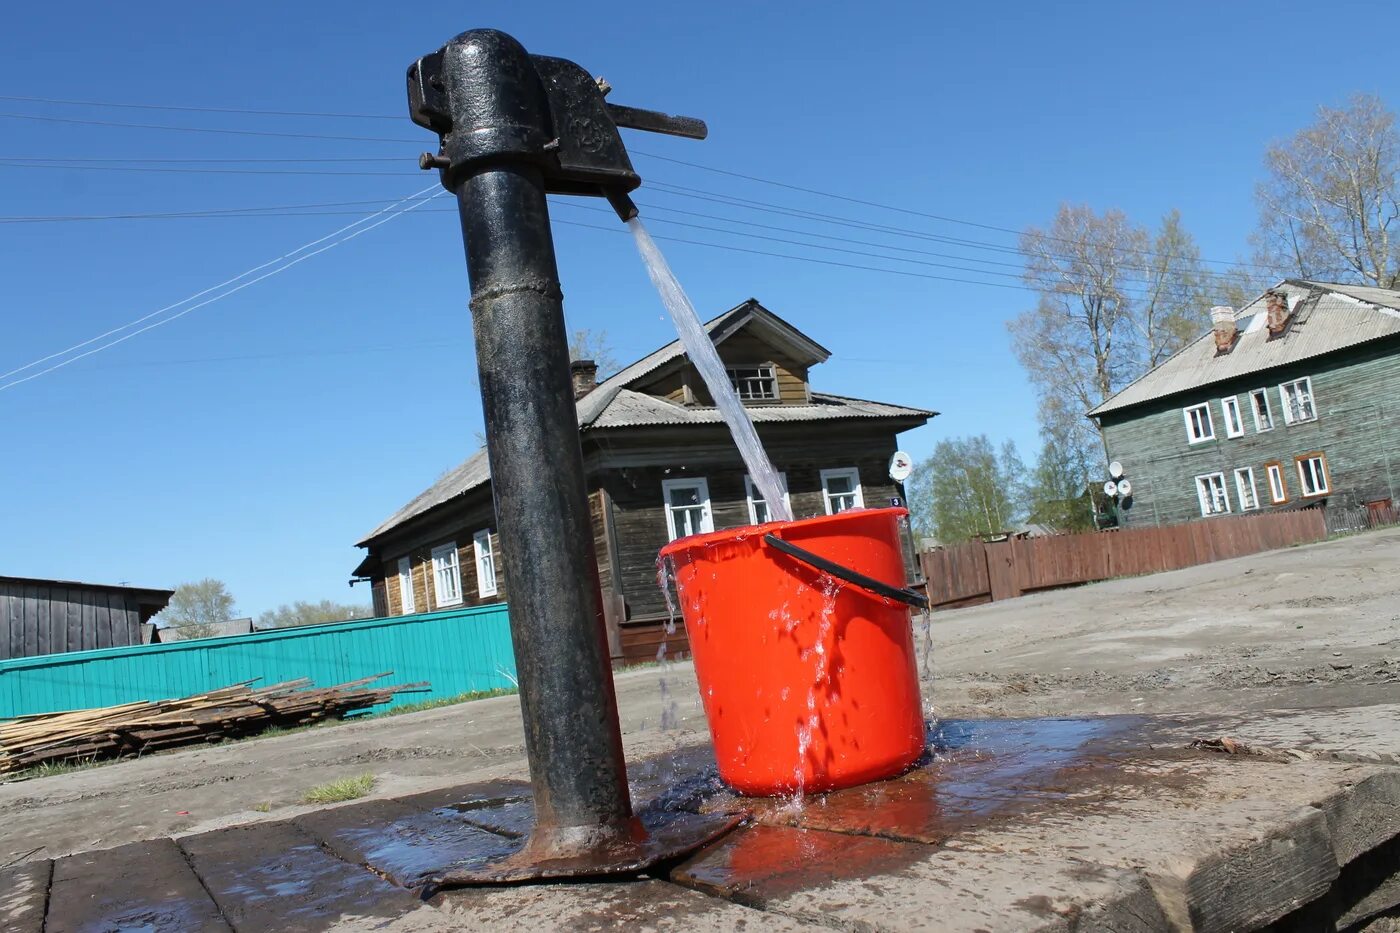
1277, 319
585, 377
1222, 324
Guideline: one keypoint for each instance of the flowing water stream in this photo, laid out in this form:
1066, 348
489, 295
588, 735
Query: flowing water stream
701, 350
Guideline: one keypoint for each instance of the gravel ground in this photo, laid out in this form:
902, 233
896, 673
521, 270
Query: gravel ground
1306, 627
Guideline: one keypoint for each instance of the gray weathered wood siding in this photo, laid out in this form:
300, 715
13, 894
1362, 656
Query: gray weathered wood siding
38, 618
1356, 394
638, 512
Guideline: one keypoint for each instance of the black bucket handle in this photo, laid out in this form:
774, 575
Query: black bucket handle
880, 588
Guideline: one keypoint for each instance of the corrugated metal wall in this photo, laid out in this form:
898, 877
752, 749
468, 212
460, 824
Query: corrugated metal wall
456, 651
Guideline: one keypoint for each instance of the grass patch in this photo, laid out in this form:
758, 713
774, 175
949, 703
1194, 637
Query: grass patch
447, 701
53, 769
350, 788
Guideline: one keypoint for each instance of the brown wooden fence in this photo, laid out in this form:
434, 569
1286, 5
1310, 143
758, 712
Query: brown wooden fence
978, 572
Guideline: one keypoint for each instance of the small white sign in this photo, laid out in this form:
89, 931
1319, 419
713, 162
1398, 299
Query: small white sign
1110, 488
901, 465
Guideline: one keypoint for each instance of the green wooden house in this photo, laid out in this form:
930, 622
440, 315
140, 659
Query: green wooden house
1289, 402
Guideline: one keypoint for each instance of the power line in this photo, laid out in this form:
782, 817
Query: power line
904, 210
768, 207
239, 110
198, 160
942, 218
206, 171
277, 210
823, 262
413, 202
206, 129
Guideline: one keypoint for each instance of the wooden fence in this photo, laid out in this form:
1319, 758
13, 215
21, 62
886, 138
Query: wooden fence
455, 651
978, 572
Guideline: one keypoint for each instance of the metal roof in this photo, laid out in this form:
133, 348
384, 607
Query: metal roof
631, 409
613, 405
1325, 317
78, 584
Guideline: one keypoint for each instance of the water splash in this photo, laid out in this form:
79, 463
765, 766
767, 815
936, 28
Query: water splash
701, 350
670, 709
821, 656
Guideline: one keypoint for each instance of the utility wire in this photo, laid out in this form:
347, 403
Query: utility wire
206, 129
942, 218
198, 160
206, 171
278, 210
239, 110
413, 201
904, 210
815, 216
700, 194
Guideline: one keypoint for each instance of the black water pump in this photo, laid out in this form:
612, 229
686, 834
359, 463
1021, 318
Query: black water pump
490, 100
513, 128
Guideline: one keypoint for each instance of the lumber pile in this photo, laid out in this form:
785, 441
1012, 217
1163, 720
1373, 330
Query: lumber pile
137, 728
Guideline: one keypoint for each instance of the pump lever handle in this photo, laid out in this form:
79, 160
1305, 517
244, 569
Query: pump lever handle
653, 121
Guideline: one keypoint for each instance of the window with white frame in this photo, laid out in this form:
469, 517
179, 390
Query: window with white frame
1297, 399
1278, 486
1312, 474
1244, 489
1263, 414
485, 563
754, 383
1210, 490
687, 506
447, 576
1198, 424
841, 490
406, 606
758, 508
1234, 421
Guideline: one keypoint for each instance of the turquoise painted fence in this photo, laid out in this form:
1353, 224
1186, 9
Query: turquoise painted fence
455, 651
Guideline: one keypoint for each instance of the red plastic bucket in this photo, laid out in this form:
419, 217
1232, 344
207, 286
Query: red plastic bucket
809, 683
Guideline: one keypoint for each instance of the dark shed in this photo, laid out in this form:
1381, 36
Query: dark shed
51, 616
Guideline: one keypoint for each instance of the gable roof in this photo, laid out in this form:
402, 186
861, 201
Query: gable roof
615, 404
1326, 317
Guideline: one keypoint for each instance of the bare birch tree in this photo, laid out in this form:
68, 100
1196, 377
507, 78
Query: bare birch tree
1115, 301
1176, 293
1330, 206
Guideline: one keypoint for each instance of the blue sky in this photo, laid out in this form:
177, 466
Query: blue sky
257, 438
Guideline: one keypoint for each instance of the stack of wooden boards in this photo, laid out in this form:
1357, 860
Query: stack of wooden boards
137, 728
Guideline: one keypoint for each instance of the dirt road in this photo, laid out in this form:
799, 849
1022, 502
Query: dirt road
1314, 626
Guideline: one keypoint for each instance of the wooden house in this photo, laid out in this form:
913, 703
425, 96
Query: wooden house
1289, 402
660, 465
50, 616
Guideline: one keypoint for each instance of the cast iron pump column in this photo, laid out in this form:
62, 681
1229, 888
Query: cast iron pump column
514, 127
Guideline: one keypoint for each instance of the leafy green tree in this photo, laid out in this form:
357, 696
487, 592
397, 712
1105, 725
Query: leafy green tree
197, 607
1056, 492
305, 613
966, 488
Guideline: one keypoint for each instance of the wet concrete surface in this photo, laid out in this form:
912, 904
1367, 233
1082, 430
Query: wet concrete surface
141, 886
276, 877
405, 844
1024, 824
